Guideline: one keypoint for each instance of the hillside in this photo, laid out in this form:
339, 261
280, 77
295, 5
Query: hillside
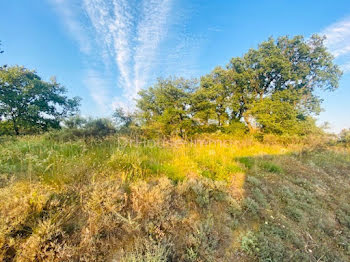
205, 200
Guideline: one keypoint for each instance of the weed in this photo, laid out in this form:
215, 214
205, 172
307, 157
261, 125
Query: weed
247, 161
119, 200
249, 243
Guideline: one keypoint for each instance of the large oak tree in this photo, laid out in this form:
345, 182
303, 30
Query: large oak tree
272, 88
31, 104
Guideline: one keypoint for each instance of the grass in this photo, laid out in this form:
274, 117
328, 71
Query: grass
116, 200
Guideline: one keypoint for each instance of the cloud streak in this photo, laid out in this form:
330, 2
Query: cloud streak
150, 32
125, 35
96, 84
338, 42
71, 22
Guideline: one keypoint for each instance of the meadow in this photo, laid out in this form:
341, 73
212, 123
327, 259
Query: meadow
209, 199
231, 166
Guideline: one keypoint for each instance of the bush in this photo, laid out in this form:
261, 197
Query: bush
344, 137
249, 243
6, 128
76, 128
271, 167
236, 128
100, 127
248, 162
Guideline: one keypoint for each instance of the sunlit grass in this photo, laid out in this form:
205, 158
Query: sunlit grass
58, 162
118, 200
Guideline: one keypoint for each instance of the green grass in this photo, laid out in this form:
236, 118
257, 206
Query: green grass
115, 200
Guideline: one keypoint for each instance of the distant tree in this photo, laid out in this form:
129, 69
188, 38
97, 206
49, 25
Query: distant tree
166, 106
75, 122
344, 136
100, 127
122, 118
211, 99
31, 104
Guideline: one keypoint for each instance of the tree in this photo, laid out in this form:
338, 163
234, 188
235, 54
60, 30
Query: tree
31, 104
166, 106
122, 118
279, 115
272, 88
75, 122
295, 64
344, 137
211, 99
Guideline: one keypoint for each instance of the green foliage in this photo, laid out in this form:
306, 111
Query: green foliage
236, 128
271, 167
246, 161
249, 243
112, 199
271, 88
6, 128
166, 106
31, 104
122, 119
75, 122
278, 115
100, 127
78, 127
211, 99
344, 137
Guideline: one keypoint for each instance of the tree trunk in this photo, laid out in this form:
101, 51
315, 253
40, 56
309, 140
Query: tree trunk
249, 125
15, 127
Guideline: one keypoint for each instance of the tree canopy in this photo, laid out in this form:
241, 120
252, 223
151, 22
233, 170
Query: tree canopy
166, 107
271, 89
31, 104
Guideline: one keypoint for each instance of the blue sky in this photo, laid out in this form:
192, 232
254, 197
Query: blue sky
106, 50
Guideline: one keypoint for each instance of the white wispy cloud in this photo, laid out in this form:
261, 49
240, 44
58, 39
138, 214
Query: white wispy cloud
71, 21
98, 87
125, 37
338, 42
113, 23
150, 32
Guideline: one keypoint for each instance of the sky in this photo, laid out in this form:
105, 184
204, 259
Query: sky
105, 51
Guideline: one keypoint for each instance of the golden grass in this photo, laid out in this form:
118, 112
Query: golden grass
176, 201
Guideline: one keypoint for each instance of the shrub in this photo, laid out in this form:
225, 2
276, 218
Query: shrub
251, 206
344, 137
294, 213
249, 243
6, 128
247, 161
236, 128
76, 128
271, 167
147, 251
100, 127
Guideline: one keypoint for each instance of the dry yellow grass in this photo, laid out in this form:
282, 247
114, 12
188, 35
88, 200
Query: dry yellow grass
193, 201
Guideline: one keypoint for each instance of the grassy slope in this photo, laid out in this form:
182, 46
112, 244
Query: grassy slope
239, 201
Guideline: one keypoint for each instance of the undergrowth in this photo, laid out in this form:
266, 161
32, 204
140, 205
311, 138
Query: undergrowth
117, 200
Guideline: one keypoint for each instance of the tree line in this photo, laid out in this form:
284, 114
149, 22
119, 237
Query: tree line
270, 89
